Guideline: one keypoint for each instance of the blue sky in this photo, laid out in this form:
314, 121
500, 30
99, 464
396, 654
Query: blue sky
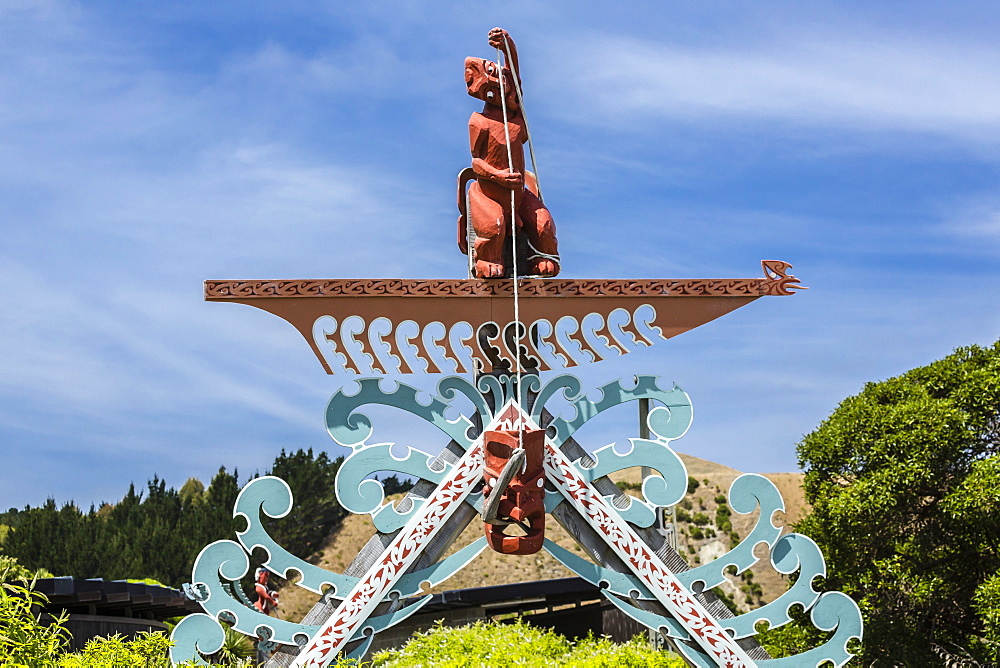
146, 147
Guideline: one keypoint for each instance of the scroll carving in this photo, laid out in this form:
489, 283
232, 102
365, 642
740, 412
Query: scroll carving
390, 326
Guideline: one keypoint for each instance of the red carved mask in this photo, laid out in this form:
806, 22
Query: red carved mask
521, 506
483, 82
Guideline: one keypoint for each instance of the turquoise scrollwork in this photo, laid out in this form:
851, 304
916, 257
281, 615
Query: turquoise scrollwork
791, 553
220, 566
359, 493
565, 407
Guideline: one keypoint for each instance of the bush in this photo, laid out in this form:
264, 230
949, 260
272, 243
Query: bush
520, 644
24, 638
147, 650
693, 484
11, 570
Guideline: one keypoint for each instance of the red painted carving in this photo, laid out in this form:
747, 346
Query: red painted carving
498, 166
267, 599
776, 281
522, 500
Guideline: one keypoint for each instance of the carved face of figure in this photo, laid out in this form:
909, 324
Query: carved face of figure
482, 80
521, 509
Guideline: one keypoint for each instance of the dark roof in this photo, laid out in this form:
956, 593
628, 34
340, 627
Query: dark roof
117, 598
561, 591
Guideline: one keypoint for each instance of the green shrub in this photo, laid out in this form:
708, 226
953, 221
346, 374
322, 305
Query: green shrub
24, 638
236, 648
518, 644
602, 653
479, 644
11, 570
147, 650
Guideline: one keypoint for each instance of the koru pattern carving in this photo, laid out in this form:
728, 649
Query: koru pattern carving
703, 640
393, 326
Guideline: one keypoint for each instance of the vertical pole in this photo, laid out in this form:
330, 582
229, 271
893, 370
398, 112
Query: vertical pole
671, 511
644, 434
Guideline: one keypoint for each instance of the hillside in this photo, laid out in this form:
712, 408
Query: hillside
492, 568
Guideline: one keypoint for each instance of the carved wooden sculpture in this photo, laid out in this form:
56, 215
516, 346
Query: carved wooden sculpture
511, 455
514, 494
501, 186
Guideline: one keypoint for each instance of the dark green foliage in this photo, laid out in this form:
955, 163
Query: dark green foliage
158, 533
693, 484
316, 511
701, 519
394, 485
727, 600
152, 535
904, 483
723, 515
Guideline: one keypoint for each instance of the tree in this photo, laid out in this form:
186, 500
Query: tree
315, 510
192, 492
904, 483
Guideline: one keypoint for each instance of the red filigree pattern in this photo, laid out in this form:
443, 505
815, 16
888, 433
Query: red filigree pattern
642, 561
775, 282
324, 647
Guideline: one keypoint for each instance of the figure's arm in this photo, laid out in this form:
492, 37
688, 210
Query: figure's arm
478, 138
501, 39
265, 594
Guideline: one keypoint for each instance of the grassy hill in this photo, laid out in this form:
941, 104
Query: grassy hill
492, 568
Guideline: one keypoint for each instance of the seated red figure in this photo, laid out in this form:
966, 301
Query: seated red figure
499, 170
267, 599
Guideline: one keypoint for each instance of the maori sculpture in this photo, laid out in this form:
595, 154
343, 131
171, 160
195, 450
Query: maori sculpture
642, 586
267, 598
389, 326
514, 494
500, 186
513, 458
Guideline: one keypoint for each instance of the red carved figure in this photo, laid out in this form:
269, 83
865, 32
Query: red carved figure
498, 165
267, 599
514, 495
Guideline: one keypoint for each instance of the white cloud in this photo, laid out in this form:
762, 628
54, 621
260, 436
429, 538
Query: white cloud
847, 80
975, 222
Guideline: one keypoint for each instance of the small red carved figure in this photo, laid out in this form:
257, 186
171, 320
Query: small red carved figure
267, 599
498, 165
514, 495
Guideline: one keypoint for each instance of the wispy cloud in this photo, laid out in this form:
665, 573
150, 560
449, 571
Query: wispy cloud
844, 80
146, 151
976, 222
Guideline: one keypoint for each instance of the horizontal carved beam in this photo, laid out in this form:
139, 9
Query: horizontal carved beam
373, 326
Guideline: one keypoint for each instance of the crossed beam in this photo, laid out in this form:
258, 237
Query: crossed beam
325, 646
